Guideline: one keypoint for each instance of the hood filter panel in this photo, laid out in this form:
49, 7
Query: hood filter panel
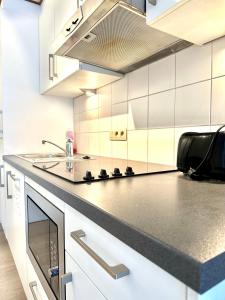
121, 39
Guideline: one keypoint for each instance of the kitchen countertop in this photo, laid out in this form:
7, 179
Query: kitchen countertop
176, 223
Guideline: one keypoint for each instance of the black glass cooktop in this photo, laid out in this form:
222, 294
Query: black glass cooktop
94, 168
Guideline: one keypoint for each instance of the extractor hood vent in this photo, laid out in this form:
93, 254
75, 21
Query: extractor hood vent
117, 37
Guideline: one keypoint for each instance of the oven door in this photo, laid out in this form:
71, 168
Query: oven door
45, 241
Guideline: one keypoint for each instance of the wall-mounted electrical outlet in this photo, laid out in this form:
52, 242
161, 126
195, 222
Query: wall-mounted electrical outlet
118, 135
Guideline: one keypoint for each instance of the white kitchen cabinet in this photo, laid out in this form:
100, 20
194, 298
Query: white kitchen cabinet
196, 21
53, 69
81, 288
14, 211
46, 38
2, 197
34, 287
145, 278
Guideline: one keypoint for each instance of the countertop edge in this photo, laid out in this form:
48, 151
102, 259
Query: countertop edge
166, 257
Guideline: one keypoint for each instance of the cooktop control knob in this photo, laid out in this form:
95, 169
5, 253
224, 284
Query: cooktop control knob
116, 173
103, 174
129, 171
88, 176
86, 157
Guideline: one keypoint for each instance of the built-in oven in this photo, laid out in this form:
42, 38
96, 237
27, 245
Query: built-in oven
45, 242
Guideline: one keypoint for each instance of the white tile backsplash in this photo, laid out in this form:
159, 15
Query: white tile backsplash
138, 113
218, 101
119, 90
175, 91
218, 50
162, 75
119, 116
138, 83
161, 110
193, 64
137, 145
192, 106
119, 149
161, 146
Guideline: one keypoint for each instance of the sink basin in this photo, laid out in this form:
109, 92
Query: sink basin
42, 157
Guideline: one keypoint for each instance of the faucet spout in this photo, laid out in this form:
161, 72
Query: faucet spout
49, 142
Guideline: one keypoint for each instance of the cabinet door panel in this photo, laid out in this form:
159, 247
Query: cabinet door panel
46, 35
145, 279
81, 288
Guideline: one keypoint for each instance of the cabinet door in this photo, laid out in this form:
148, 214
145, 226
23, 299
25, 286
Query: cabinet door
34, 286
46, 35
81, 288
63, 11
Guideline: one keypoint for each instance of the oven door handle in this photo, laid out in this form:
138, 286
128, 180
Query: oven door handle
32, 285
66, 278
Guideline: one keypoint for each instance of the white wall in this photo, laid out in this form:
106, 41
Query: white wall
157, 103
28, 116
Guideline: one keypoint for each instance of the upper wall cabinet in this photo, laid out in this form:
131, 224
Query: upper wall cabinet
196, 21
64, 76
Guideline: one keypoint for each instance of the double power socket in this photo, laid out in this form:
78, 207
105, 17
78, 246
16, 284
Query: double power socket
118, 135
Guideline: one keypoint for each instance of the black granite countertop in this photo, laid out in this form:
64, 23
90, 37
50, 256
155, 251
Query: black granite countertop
176, 223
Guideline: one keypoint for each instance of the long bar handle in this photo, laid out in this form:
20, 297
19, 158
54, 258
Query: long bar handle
32, 285
1, 183
115, 272
13, 177
153, 2
50, 68
8, 173
66, 278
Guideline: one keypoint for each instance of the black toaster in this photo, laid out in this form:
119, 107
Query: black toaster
202, 155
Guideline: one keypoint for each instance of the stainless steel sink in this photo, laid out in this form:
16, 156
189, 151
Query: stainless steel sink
42, 157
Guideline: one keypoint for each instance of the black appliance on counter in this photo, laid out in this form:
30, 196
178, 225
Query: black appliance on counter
202, 155
83, 168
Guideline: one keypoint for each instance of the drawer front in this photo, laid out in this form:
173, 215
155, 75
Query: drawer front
81, 288
145, 278
34, 288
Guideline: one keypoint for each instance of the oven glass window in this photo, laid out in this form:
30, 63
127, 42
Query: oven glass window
43, 243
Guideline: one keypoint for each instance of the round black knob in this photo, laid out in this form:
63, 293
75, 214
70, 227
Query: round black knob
103, 174
129, 171
116, 173
86, 157
88, 176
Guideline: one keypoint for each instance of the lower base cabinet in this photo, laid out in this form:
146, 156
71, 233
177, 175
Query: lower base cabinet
34, 287
81, 287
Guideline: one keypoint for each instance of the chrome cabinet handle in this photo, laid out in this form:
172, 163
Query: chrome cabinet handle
153, 2
55, 74
50, 61
32, 285
1, 183
115, 272
8, 173
13, 177
66, 278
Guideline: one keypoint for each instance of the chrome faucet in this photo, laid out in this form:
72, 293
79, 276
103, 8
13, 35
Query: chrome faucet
49, 142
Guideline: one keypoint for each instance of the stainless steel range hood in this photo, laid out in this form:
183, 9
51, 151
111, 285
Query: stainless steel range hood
113, 34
